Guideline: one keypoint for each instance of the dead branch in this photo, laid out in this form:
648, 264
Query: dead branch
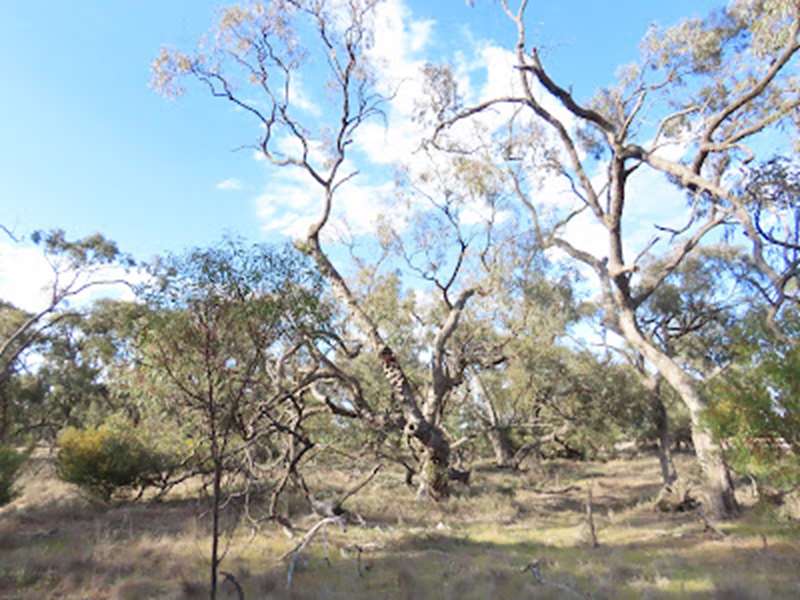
359, 486
294, 553
334, 508
556, 491
232, 579
9, 233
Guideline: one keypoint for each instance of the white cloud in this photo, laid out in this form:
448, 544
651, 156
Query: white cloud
26, 279
478, 212
484, 70
587, 234
24, 276
292, 205
293, 201
420, 34
286, 208
397, 56
301, 98
230, 185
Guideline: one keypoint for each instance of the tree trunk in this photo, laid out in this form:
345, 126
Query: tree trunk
661, 419
4, 414
668, 472
435, 468
502, 446
435, 473
215, 526
720, 493
720, 497
498, 435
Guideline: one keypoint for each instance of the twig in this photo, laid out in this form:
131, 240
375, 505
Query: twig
9, 233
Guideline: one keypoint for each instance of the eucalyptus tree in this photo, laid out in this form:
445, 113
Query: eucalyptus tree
562, 401
526, 321
259, 55
772, 191
77, 266
690, 317
709, 98
71, 386
226, 340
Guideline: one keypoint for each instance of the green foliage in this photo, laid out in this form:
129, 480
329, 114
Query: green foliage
93, 250
11, 462
106, 459
756, 410
65, 382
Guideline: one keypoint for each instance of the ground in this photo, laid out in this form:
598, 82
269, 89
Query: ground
480, 544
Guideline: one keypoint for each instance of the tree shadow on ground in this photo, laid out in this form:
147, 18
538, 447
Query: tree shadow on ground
64, 547
440, 566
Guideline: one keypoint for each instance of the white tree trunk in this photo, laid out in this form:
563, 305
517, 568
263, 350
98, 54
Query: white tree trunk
720, 495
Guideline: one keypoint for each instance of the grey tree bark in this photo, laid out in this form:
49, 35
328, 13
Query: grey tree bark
668, 472
719, 492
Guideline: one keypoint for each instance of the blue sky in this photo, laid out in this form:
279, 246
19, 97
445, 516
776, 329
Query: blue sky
88, 146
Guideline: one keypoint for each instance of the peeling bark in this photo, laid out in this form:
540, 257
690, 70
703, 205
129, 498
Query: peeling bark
434, 473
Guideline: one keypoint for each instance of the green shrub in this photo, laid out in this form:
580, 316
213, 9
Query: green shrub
756, 410
10, 463
103, 460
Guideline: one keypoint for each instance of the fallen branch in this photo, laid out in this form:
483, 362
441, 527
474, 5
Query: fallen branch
563, 490
358, 487
294, 553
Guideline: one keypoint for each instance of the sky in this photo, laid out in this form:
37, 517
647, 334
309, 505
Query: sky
89, 147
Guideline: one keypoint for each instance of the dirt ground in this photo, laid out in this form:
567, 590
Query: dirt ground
507, 535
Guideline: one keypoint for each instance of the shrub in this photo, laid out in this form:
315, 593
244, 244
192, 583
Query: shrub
103, 460
10, 463
757, 412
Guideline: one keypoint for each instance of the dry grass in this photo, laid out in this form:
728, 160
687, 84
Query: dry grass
55, 544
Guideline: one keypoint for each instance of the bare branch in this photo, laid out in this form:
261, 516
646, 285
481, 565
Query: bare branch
707, 142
